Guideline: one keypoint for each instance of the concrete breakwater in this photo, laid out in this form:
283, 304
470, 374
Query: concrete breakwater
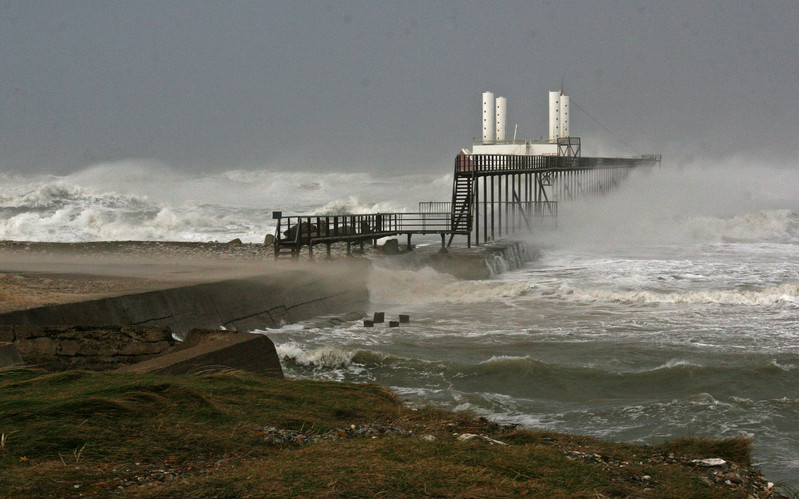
269, 300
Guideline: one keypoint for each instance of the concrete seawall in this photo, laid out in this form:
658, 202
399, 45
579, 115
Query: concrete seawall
504, 256
479, 262
282, 296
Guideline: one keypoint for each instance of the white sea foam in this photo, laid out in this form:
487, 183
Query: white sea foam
772, 295
149, 200
423, 286
351, 205
325, 357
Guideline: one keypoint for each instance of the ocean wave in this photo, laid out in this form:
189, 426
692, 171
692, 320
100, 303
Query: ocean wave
772, 295
524, 376
352, 205
527, 364
323, 357
334, 357
92, 223
57, 194
141, 199
765, 225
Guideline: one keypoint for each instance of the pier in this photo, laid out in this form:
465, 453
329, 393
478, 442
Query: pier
493, 195
502, 187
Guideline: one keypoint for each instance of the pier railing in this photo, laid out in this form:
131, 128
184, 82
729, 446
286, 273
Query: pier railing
320, 228
295, 231
494, 163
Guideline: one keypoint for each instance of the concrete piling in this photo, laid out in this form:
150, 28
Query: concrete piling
379, 317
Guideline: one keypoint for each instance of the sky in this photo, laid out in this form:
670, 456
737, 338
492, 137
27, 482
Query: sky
387, 87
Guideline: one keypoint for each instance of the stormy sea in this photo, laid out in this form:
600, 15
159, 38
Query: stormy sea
667, 308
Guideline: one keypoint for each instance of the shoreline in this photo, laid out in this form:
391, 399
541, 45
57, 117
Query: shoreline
105, 270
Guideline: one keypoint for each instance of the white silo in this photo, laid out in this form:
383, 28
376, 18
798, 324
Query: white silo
489, 120
564, 115
501, 118
554, 116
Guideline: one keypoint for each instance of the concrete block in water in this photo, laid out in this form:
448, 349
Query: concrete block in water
379, 317
368, 323
393, 323
9, 355
213, 350
404, 318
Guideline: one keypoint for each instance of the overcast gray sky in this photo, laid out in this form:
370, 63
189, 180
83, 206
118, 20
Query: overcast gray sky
384, 86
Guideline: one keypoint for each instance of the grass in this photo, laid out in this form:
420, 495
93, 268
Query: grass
99, 434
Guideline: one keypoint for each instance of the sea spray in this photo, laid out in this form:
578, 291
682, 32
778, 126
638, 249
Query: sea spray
147, 200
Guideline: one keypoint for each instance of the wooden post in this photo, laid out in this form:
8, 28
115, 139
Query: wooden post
485, 211
493, 235
476, 202
499, 195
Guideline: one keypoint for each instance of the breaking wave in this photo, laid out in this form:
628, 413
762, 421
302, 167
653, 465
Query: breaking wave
767, 225
67, 213
351, 205
146, 200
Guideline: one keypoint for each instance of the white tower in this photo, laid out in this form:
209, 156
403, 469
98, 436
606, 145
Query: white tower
564, 115
501, 118
554, 116
489, 120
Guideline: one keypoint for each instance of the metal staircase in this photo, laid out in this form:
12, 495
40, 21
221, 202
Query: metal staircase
462, 189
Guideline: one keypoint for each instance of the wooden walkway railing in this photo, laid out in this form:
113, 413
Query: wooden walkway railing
295, 231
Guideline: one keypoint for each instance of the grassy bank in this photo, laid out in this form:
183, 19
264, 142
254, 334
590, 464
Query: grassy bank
234, 435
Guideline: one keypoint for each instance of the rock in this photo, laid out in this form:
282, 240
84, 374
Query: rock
428, 438
379, 317
468, 437
391, 247
732, 477
307, 231
711, 462
274, 435
269, 240
584, 456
